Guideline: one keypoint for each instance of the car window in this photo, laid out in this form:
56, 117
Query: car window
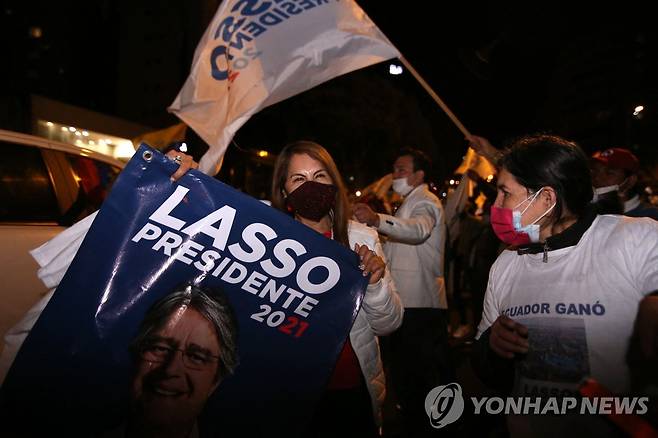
26, 191
94, 179
45, 186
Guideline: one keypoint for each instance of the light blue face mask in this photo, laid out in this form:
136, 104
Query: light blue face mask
532, 229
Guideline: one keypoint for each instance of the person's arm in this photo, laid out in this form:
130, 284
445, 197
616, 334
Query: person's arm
642, 354
381, 303
646, 326
498, 341
642, 250
414, 230
487, 188
494, 371
483, 147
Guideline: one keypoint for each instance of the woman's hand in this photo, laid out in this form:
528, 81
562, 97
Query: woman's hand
186, 163
508, 337
371, 263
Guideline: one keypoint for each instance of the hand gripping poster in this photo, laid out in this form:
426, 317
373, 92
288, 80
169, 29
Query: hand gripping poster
188, 305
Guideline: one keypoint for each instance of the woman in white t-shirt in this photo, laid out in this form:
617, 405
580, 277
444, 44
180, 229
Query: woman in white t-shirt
562, 302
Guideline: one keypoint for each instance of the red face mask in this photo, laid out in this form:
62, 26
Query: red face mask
502, 222
506, 223
312, 200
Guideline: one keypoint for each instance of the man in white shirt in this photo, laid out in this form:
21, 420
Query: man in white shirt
415, 250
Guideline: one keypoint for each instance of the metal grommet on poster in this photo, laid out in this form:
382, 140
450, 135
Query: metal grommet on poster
147, 156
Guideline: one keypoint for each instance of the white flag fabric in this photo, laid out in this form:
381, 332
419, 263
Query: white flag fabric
478, 163
256, 53
456, 202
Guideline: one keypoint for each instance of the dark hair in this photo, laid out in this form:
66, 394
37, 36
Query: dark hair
543, 160
421, 161
341, 210
209, 302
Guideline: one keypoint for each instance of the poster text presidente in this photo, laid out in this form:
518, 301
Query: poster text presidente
248, 20
175, 238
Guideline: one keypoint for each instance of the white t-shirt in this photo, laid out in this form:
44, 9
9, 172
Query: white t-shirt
580, 306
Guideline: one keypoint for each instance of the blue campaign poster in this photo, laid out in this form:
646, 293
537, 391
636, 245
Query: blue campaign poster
175, 284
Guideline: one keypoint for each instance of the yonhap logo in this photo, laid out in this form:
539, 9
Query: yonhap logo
444, 405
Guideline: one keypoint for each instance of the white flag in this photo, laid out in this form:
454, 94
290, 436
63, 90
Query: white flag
456, 202
478, 163
256, 53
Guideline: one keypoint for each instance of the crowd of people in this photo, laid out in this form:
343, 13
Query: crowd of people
559, 264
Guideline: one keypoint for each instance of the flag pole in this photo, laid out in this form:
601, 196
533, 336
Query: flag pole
435, 96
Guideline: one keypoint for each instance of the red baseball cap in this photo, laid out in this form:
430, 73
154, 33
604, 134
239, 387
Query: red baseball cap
618, 158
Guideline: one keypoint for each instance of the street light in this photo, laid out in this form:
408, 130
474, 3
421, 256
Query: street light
395, 69
638, 110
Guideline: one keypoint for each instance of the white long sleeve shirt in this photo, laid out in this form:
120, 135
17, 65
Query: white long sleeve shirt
415, 249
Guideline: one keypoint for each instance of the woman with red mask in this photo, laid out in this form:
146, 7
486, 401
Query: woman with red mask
562, 302
307, 184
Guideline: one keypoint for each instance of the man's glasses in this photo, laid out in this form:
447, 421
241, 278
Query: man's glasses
193, 358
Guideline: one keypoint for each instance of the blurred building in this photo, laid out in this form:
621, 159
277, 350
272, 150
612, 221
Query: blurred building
84, 128
106, 68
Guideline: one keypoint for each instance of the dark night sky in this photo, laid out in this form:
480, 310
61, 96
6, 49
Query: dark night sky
575, 71
578, 72
551, 67
549, 57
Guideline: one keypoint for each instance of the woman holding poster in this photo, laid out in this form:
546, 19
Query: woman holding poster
307, 184
282, 376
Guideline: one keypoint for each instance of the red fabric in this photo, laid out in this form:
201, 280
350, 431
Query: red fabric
502, 222
633, 425
347, 373
88, 174
618, 158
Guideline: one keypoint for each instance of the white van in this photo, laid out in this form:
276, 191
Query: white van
45, 186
